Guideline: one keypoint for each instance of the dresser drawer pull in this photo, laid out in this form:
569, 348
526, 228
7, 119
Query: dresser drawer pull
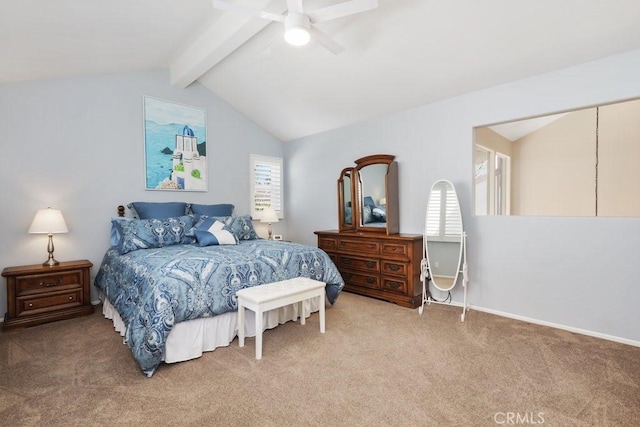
30, 304
395, 285
50, 284
346, 260
70, 298
371, 280
371, 264
394, 267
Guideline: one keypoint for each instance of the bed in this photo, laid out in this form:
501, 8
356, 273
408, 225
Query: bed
172, 297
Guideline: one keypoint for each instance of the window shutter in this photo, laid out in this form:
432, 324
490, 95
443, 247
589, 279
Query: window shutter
433, 214
266, 184
453, 223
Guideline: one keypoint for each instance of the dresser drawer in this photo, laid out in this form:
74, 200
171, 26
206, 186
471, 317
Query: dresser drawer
397, 268
28, 306
393, 284
48, 282
328, 243
362, 280
362, 264
364, 246
399, 249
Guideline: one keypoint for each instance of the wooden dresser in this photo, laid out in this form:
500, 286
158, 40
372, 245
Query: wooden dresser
377, 265
38, 294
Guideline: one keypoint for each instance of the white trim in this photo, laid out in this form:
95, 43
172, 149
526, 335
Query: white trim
554, 325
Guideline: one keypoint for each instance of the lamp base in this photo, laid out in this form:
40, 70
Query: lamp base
51, 261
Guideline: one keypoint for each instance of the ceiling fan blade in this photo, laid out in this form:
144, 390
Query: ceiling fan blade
325, 41
341, 9
226, 5
294, 6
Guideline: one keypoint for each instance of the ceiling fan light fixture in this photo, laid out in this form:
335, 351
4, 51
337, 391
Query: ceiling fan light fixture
296, 29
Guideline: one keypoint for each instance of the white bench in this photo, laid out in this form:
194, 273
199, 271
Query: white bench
262, 298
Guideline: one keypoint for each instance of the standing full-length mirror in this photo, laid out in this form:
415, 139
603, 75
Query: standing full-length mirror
444, 244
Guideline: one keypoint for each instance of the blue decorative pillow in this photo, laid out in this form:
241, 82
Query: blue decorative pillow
116, 236
368, 201
242, 227
367, 216
148, 210
214, 232
137, 234
223, 209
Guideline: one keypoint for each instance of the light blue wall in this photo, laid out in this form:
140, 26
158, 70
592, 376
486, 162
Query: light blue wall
575, 272
77, 145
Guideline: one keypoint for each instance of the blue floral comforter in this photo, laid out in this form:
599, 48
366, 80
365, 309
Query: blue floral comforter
153, 289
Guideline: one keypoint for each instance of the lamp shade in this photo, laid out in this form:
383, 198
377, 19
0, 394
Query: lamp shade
269, 215
48, 221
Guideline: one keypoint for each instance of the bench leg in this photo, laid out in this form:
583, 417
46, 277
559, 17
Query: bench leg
240, 324
259, 334
321, 301
303, 316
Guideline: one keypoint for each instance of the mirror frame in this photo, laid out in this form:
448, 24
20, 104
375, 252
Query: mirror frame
392, 225
390, 189
461, 242
342, 225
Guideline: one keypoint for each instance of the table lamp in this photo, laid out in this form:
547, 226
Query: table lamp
49, 221
269, 215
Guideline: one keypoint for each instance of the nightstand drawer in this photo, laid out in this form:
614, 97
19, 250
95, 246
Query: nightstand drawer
30, 306
48, 282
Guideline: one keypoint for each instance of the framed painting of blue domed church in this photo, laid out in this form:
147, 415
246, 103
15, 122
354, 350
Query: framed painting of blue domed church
175, 146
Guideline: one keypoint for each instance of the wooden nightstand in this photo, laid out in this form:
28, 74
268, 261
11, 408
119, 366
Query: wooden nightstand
39, 294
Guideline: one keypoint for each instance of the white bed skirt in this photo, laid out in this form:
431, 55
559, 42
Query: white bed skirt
189, 339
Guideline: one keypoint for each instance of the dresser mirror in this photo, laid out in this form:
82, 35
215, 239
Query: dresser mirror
444, 245
345, 200
368, 195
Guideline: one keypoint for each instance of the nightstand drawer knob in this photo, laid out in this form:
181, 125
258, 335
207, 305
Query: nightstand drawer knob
30, 305
70, 298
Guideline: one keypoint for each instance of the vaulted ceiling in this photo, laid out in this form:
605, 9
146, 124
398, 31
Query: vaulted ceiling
403, 54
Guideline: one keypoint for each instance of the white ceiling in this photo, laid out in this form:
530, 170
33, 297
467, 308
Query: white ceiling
520, 128
404, 54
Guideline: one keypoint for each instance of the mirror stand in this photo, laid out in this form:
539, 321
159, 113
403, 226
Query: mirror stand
444, 247
425, 277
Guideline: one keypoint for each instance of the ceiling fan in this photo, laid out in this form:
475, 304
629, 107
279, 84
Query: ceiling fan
299, 25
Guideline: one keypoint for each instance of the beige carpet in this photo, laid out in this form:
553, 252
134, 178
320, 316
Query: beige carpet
377, 364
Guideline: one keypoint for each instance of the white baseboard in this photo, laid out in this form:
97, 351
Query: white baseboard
556, 325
